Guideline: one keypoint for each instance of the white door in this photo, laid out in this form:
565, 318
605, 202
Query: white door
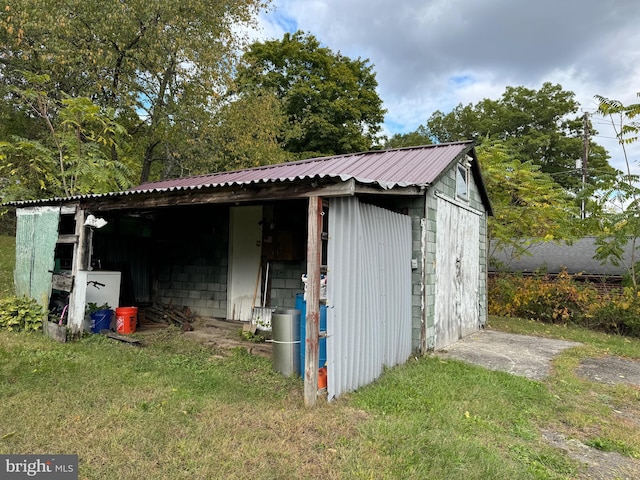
457, 273
245, 249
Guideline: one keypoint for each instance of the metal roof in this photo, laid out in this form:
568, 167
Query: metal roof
403, 167
400, 167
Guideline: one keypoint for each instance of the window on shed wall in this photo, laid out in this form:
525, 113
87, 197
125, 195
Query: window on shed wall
462, 181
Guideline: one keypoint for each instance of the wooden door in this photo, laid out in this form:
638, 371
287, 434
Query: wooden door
245, 250
457, 273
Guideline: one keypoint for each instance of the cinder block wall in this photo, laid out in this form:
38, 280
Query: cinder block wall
285, 282
194, 266
198, 285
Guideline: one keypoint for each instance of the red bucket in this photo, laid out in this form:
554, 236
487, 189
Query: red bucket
126, 319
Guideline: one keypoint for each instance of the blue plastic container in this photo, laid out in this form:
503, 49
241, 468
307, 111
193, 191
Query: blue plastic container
101, 320
301, 305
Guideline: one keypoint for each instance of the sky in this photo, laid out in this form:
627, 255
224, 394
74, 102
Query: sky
432, 55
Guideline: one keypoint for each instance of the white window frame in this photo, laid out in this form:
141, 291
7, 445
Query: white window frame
462, 178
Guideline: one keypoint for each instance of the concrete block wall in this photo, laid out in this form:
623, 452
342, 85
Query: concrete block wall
199, 285
285, 281
195, 257
430, 229
416, 212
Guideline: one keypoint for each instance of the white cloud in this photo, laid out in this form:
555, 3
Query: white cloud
433, 54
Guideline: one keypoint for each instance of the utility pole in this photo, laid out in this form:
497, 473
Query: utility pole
585, 157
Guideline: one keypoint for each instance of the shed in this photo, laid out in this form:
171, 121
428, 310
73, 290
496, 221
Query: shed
400, 234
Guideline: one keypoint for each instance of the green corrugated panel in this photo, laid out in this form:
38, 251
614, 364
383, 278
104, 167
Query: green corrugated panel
36, 237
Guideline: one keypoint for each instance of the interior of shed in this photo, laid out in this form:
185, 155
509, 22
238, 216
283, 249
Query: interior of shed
179, 256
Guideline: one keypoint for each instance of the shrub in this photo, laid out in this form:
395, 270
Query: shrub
564, 300
616, 313
20, 313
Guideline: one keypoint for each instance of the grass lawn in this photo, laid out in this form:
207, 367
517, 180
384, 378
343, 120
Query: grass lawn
7, 262
174, 409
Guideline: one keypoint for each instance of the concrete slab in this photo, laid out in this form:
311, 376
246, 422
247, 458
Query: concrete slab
522, 355
610, 370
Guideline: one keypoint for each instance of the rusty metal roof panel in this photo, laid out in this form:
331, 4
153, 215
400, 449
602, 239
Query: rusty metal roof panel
412, 166
401, 167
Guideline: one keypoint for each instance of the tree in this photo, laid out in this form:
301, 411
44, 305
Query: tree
411, 139
621, 226
71, 157
162, 66
330, 101
246, 134
538, 126
529, 206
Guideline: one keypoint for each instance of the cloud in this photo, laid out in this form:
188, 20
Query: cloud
434, 54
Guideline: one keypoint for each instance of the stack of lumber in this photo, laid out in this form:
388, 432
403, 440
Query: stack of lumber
182, 317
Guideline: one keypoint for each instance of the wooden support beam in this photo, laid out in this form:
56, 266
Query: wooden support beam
79, 270
312, 342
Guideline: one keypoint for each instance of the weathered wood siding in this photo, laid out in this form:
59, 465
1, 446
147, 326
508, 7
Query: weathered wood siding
457, 264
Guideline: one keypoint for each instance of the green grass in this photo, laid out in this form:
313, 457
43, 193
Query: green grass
175, 409
7, 262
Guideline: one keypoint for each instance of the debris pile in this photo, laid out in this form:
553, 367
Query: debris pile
182, 317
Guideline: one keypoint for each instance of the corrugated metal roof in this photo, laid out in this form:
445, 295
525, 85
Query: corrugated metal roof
401, 167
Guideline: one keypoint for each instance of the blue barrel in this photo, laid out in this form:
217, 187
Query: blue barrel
301, 305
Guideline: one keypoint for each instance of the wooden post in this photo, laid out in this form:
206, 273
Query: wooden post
314, 251
79, 270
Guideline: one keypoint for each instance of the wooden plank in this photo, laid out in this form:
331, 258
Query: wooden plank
121, 338
62, 281
67, 239
237, 194
314, 251
55, 331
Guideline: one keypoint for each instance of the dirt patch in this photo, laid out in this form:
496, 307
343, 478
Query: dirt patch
219, 334
225, 334
596, 464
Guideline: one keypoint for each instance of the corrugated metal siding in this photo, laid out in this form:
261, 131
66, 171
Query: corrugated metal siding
368, 293
36, 237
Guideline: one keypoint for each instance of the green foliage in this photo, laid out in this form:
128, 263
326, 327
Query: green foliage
565, 301
411, 139
72, 155
94, 307
619, 226
20, 314
247, 134
7, 263
161, 66
528, 204
535, 125
330, 100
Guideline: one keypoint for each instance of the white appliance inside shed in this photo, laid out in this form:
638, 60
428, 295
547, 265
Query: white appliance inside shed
104, 287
